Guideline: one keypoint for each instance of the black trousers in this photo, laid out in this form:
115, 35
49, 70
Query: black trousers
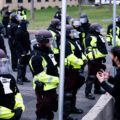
5, 22
92, 71
23, 61
14, 56
47, 103
73, 82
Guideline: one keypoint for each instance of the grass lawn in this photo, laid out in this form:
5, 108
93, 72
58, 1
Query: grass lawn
95, 14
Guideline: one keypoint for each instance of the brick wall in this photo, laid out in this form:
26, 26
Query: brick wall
37, 5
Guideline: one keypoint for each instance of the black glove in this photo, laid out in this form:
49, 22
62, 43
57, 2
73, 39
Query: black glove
39, 86
18, 113
104, 60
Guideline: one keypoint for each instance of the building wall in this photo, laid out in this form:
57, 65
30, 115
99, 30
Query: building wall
37, 5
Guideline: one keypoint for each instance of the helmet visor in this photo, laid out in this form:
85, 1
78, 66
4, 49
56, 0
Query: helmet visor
53, 43
74, 34
83, 20
99, 29
5, 66
76, 23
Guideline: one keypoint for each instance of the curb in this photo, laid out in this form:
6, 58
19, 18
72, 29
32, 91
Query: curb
102, 110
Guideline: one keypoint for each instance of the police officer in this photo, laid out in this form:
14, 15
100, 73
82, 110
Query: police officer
77, 25
21, 12
110, 32
96, 52
46, 80
84, 22
84, 27
73, 80
55, 29
23, 47
69, 19
58, 13
11, 102
12, 27
2, 45
5, 17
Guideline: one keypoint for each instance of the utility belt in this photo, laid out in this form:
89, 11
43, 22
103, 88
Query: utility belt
69, 69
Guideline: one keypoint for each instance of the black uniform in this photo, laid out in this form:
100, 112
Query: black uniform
5, 19
95, 44
46, 100
11, 40
58, 15
2, 45
23, 47
81, 37
114, 92
57, 39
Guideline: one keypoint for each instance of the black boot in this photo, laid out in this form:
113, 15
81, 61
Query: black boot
90, 96
75, 110
89, 82
19, 81
67, 105
69, 118
26, 80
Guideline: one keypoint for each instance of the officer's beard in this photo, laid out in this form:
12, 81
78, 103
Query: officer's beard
44, 47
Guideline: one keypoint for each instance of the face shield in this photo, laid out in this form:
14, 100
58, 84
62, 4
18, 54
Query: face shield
53, 42
83, 20
76, 23
99, 29
74, 34
5, 66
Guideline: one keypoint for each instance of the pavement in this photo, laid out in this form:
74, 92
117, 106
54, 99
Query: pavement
30, 99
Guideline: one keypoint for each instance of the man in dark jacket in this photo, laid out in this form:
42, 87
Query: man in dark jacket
58, 13
114, 91
5, 17
12, 27
23, 47
2, 45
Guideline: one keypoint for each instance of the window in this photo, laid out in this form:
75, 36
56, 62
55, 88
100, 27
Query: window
29, 0
8, 1
38, 0
20, 1
46, 0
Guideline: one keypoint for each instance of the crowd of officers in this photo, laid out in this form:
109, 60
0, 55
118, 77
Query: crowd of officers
84, 45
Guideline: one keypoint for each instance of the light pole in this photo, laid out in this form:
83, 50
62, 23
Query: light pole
62, 59
32, 9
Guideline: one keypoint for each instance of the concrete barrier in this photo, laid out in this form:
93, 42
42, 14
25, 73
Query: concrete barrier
102, 110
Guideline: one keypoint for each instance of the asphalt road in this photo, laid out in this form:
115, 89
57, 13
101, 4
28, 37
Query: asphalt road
30, 99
